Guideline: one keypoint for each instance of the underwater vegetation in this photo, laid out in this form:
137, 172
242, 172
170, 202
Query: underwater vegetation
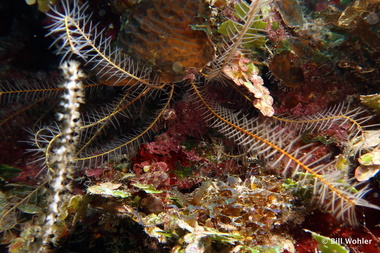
194, 126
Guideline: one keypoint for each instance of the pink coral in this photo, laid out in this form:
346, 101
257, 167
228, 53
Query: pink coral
244, 73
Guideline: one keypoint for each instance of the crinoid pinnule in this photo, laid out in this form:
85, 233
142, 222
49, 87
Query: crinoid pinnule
167, 34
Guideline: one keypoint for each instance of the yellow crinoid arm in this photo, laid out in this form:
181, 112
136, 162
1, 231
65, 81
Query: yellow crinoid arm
78, 35
86, 155
282, 147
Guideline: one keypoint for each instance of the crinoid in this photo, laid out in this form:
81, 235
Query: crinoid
164, 46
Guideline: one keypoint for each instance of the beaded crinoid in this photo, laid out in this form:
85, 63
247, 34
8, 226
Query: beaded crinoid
165, 45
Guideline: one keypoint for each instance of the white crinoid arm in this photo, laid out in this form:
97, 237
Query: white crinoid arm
283, 149
239, 33
76, 34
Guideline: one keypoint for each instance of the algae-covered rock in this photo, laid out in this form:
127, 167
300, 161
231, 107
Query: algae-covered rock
372, 101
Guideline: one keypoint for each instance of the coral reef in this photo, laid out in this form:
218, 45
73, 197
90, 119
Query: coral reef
318, 53
189, 146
